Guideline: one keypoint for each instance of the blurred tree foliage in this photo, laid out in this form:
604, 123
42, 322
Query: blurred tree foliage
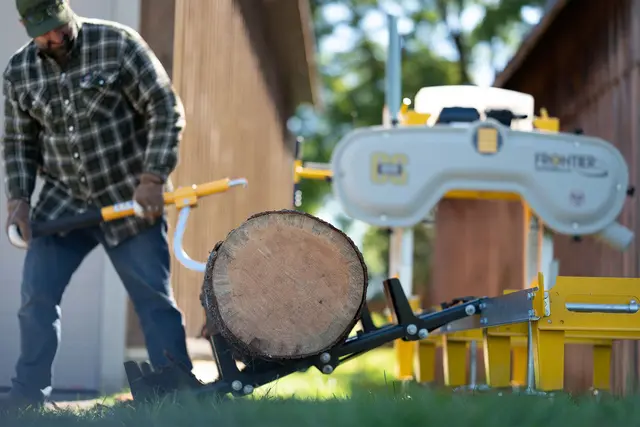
353, 81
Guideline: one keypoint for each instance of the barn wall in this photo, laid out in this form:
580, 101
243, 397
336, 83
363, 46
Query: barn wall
235, 127
157, 28
585, 71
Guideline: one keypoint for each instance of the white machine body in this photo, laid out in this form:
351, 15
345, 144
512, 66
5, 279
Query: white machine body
432, 99
393, 177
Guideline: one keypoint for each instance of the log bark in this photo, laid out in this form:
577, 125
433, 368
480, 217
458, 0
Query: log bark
284, 285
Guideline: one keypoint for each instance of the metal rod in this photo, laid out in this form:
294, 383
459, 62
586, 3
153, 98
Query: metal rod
632, 307
178, 249
394, 69
238, 182
406, 260
473, 364
530, 364
316, 165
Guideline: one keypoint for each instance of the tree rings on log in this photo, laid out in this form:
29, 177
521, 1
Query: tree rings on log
284, 285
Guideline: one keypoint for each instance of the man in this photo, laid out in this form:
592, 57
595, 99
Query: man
90, 109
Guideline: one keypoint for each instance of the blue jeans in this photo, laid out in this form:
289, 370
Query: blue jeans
142, 263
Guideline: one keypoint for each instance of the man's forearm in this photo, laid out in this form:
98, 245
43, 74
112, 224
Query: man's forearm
20, 152
165, 124
149, 89
20, 168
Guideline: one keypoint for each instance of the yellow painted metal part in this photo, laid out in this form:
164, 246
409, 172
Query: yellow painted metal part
410, 117
454, 359
594, 290
505, 354
546, 123
297, 166
482, 195
426, 363
406, 351
519, 366
602, 366
548, 358
184, 196
300, 172
552, 330
497, 360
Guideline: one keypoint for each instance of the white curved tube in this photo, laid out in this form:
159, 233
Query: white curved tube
181, 225
178, 250
616, 235
238, 182
15, 238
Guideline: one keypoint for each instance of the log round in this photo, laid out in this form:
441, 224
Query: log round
284, 285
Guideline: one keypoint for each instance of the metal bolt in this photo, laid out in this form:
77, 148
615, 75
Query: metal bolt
483, 306
412, 329
327, 369
248, 389
483, 321
423, 333
530, 295
325, 357
236, 385
470, 310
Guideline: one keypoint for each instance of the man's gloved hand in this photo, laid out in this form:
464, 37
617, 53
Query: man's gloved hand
150, 195
18, 210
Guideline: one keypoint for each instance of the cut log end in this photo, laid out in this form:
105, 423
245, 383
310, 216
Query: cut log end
285, 285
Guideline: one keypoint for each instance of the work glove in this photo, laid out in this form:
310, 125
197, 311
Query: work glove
149, 195
18, 210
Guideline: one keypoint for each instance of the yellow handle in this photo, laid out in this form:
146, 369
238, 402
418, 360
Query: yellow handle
301, 172
184, 196
306, 173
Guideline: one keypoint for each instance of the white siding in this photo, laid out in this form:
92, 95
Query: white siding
94, 306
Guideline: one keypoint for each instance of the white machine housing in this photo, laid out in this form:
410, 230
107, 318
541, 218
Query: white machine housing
393, 177
432, 99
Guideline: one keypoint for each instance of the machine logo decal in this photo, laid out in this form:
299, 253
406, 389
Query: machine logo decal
389, 168
577, 197
583, 164
487, 140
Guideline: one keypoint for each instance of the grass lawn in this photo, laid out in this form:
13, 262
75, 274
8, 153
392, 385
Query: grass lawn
359, 393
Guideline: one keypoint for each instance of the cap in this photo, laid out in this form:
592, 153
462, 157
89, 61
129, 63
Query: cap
42, 16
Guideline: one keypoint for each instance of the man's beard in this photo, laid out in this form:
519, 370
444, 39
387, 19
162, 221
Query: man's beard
59, 50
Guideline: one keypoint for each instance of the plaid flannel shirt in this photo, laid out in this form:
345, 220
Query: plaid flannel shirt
90, 129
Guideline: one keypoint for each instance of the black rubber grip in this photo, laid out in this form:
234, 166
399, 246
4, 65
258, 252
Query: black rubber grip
65, 224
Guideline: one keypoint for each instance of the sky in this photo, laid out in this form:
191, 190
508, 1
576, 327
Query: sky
375, 24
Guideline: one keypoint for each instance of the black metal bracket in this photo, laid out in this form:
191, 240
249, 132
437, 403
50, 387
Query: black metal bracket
406, 325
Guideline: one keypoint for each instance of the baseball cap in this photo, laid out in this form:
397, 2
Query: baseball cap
42, 16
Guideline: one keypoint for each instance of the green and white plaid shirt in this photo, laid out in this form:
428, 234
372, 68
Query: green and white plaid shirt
92, 128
